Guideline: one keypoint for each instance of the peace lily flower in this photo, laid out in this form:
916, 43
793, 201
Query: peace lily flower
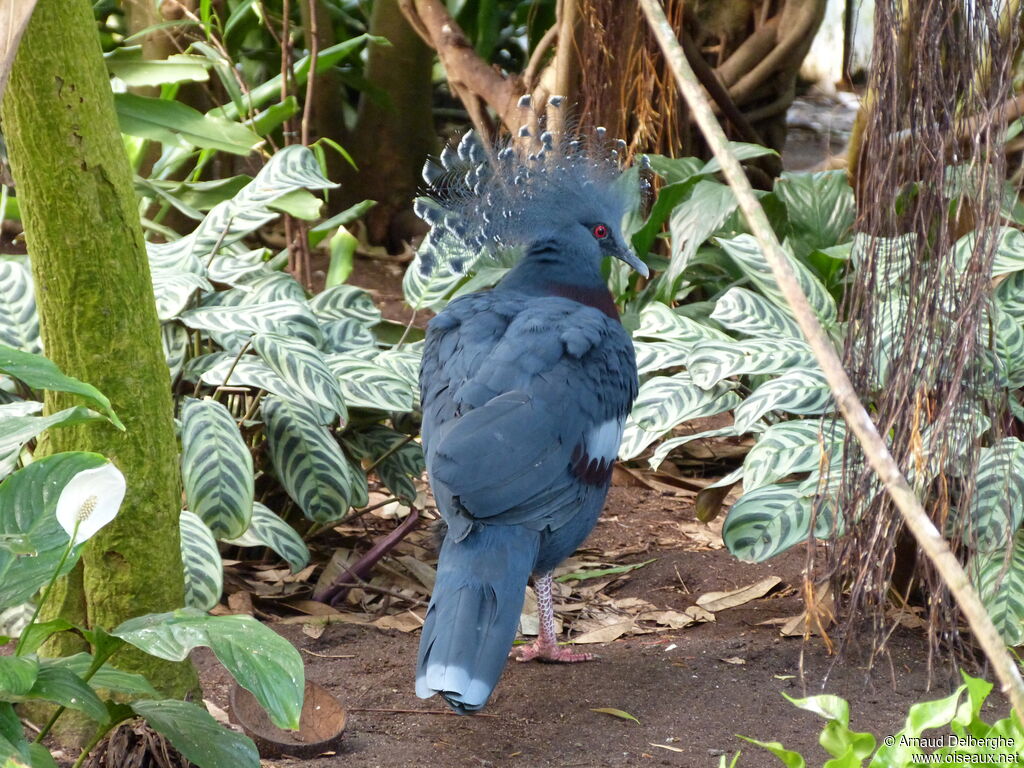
89, 501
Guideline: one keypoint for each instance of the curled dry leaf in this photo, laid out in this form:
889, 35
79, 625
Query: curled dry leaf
719, 601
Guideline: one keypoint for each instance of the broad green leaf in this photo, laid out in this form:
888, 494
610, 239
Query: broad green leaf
39, 373
174, 292
268, 530
17, 676
291, 168
345, 301
654, 356
884, 260
398, 460
15, 431
694, 221
1009, 296
741, 151
309, 462
766, 521
996, 507
345, 217
192, 731
709, 362
61, 686
237, 268
659, 323
204, 571
291, 317
749, 313
262, 661
216, 467
790, 447
179, 125
304, 369
346, 335
174, 338
250, 371
801, 391
39, 632
1009, 256
106, 678
1000, 583
273, 286
788, 758
665, 401
14, 749
342, 248
665, 447
429, 291
19, 320
299, 203
129, 64
597, 573
746, 252
820, 207
365, 384
28, 500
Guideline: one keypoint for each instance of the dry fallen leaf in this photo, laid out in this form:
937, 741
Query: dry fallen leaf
665, 746
615, 713
719, 601
604, 634
314, 631
408, 621
218, 714
733, 660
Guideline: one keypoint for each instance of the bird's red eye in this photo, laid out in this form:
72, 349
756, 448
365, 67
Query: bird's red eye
600, 231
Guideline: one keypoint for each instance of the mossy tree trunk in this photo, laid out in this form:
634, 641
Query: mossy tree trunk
98, 314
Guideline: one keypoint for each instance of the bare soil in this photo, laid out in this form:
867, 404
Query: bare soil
692, 690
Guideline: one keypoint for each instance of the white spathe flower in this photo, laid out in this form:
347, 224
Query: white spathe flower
90, 500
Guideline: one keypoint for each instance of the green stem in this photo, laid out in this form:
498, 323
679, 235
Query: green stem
96, 739
48, 590
97, 661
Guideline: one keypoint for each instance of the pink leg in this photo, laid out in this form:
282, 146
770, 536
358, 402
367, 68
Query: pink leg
545, 647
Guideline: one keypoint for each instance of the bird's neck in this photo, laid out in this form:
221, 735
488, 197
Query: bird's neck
550, 268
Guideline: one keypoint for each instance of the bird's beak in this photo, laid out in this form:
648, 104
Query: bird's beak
629, 256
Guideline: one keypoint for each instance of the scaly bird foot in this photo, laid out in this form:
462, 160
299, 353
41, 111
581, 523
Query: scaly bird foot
549, 652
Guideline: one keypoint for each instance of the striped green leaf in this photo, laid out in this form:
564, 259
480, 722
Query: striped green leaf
1008, 347
174, 292
1009, 296
204, 570
303, 368
290, 317
15, 431
665, 401
883, 259
1000, 583
665, 447
249, 371
429, 291
1009, 256
237, 268
660, 323
294, 167
273, 286
692, 222
309, 462
802, 391
345, 302
368, 385
749, 313
654, 356
403, 463
19, 321
405, 362
766, 521
266, 529
745, 251
216, 467
345, 335
175, 343
819, 206
996, 507
791, 447
712, 361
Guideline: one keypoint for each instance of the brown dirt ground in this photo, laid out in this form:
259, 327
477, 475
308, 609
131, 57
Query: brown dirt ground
674, 682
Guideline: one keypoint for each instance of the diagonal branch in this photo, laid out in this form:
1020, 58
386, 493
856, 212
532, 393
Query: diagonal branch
916, 519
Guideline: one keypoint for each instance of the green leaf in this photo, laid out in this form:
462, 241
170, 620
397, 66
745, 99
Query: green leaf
803, 391
14, 749
174, 339
598, 573
345, 217
19, 320
38, 633
788, 758
192, 731
303, 368
621, 714
129, 64
106, 678
1000, 583
665, 401
365, 384
17, 676
62, 686
996, 507
287, 316
790, 447
766, 521
710, 362
746, 252
652, 356
429, 291
346, 335
309, 462
665, 447
742, 151
15, 431
345, 301
343, 251
28, 501
299, 203
269, 530
659, 323
250, 371
204, 570
262, 661
216, 467
179, 125
39, 373
746, 312
820, 206
402, 460
693, 222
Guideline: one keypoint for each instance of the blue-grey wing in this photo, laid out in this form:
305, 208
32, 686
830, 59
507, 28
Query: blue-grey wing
523, 404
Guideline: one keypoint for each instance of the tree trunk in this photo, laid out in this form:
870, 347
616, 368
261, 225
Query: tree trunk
97, 314
392, 136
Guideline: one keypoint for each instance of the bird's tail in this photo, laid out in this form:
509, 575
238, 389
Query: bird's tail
473, 613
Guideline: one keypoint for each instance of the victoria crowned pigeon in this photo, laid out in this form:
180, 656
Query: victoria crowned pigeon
525, 389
